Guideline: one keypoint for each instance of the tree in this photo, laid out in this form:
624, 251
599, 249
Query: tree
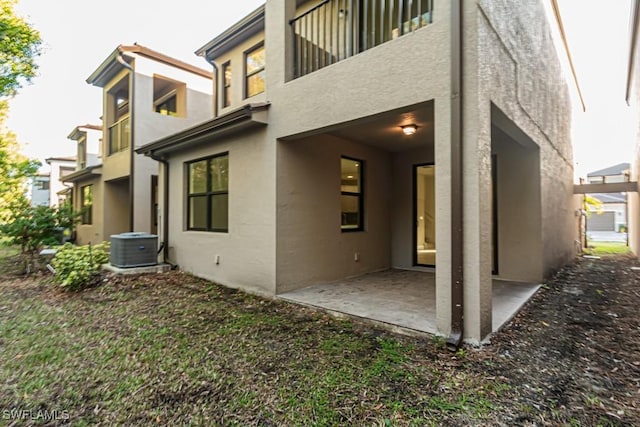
19, 46
15, 170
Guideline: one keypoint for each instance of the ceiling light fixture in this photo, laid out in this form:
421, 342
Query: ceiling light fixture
409, 129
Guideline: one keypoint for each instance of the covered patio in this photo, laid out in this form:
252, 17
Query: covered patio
403, 298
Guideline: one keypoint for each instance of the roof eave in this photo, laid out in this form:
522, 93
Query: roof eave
244, 118
234, 35
83, 174
109, 68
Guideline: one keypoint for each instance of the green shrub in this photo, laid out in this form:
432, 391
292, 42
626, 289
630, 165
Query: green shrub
77, 266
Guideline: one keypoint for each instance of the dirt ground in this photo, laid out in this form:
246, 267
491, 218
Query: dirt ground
574, 352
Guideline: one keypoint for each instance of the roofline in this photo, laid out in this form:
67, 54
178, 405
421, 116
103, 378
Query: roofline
234, 35
97, 77
563, 35
623, 167
225, 124
635, 21
81, 174
77, 129
61, 159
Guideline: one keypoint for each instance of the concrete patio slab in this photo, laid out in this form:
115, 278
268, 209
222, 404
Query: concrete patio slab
403, 298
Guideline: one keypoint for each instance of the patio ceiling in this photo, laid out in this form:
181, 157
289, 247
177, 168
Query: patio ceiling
384, 130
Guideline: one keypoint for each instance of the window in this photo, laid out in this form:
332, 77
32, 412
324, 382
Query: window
119, 134
82, 152
208, 194
226, 88
351, 194
168, 96
86, 204
255, 72
42, 184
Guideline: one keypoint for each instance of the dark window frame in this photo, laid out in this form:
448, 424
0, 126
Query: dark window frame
359, 194
208, 194
226, 84
248, 75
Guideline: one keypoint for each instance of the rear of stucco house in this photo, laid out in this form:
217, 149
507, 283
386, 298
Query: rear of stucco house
304, 173
145, 94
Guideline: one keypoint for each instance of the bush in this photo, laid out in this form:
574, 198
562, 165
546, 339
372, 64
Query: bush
77, 266
33, 227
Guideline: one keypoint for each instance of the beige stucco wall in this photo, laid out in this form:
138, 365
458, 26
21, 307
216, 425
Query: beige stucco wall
116, 207
409, 70
311, 247
90, 233
510, 61
247, 251
236, 57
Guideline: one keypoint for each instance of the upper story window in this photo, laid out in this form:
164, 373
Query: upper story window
254, 71
226, 88
82, 152
119, 133
208, 194
168, 96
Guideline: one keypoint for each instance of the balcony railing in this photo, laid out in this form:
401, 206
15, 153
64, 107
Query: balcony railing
119, 136
337, 29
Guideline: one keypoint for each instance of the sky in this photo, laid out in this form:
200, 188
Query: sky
79, 34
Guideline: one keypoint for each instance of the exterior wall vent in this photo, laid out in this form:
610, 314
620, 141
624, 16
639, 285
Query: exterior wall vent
133, 250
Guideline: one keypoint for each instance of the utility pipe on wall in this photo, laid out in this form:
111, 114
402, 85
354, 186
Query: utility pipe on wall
457, 278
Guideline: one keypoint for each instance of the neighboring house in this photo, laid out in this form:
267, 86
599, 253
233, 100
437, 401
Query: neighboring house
617, 173
39, 191
86, 183
633, 98
612, 215
59, 191
341, 145
146, 94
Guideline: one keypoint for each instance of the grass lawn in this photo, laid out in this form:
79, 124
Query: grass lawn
180, 350
607, 248
172, 349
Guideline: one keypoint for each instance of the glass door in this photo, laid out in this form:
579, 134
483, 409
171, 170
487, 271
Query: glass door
425, 215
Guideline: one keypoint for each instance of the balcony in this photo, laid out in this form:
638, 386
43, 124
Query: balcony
335, 30
119, 135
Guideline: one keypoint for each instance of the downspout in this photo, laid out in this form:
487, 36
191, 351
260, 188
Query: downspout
457, 284
165, 210
131, 135
215, 84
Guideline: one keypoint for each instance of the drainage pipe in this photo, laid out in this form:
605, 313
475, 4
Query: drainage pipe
132, 126
457, 283
215, 84
164, 246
